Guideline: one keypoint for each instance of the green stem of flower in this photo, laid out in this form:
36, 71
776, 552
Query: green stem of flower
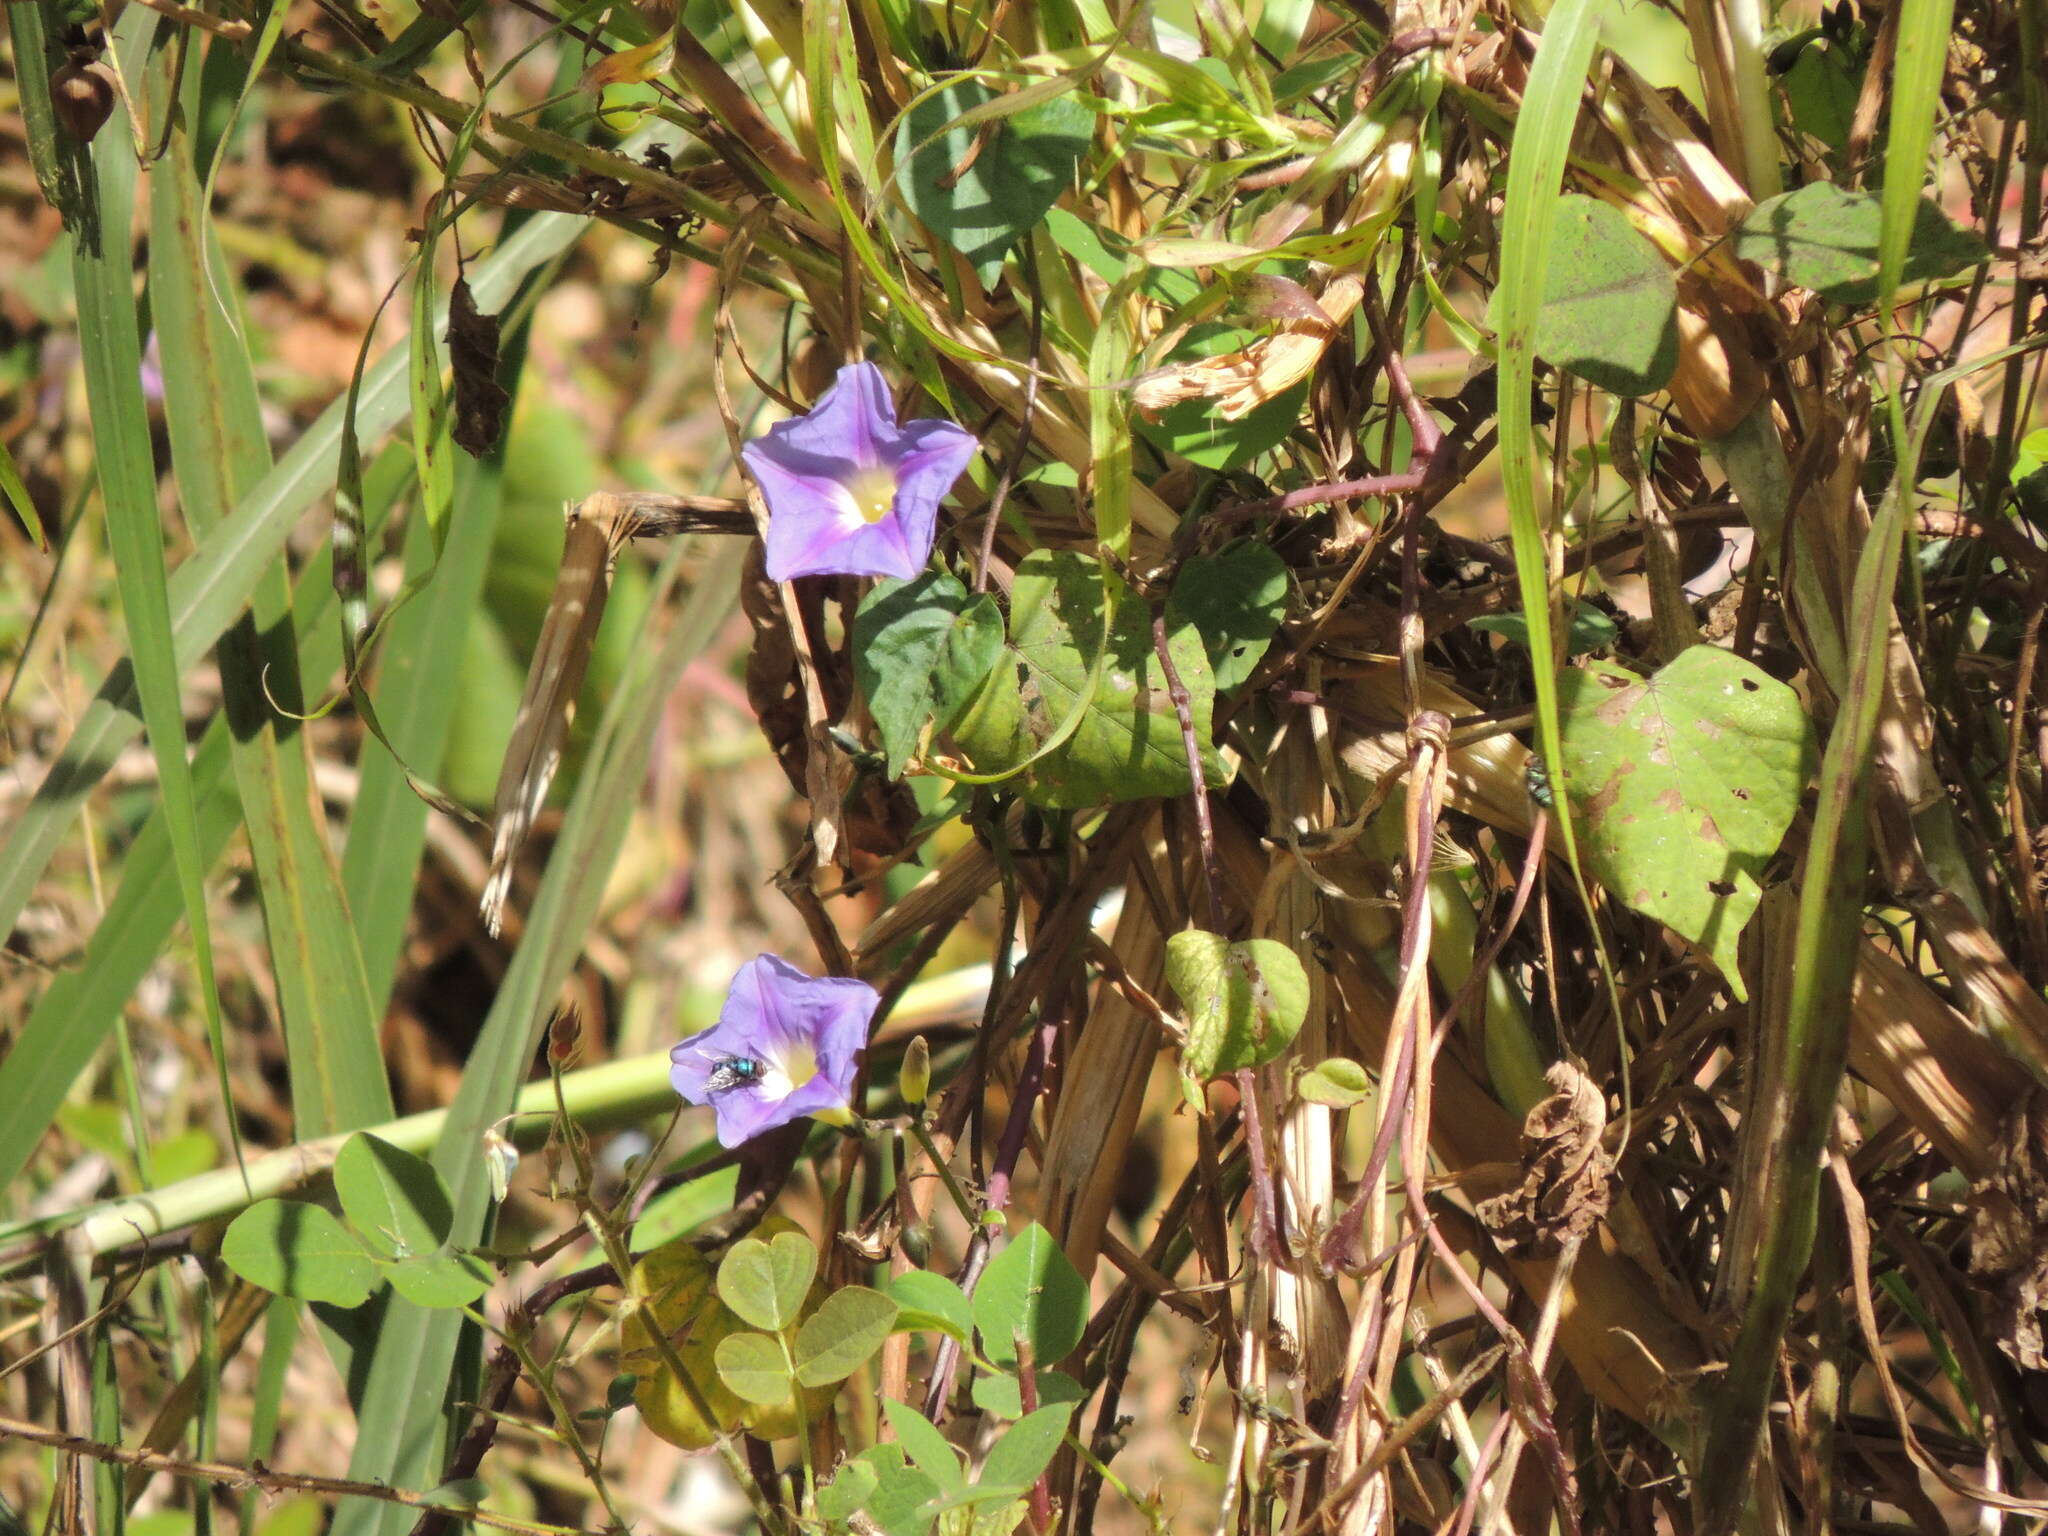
960, 1200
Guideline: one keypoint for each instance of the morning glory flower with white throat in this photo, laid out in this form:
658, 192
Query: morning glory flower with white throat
849, 492
785, 1046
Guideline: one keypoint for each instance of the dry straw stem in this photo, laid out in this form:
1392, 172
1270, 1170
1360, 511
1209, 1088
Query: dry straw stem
1104, 1085
547, 706
1618, 1336
1287, 908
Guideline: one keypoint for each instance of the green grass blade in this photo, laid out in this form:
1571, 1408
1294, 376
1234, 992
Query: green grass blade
1543, 135
206, 1429
1799, 1074
1109, 415
1916, 92
105, 1387
219, 452
17, 497
405, 1400
418, 682
209, 591
71, 1019
55, 170
280, 1337
111, 343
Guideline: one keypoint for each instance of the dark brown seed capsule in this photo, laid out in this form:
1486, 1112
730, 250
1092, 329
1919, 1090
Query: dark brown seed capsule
82, 93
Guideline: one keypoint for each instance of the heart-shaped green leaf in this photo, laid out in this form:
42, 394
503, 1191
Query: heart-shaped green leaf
751, 1364
982, 183
1245, 1000
1824, 238
1610, 301
1235, 599
921, 651
765, 1283
1682, 785
837, 1339
1128, 743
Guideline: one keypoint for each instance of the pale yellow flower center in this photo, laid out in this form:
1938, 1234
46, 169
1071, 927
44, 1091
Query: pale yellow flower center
873, 492
785, 1074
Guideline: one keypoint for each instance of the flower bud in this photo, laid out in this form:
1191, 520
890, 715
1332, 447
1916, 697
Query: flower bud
501, 1158
82, 95
916, 1077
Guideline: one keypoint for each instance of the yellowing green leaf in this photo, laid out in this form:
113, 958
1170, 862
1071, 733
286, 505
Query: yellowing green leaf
1245, 1000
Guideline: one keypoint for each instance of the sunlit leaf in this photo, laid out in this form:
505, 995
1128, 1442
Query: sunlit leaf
1128, 742
1824, 238
752, 1365
1610, 301
981, 186
295, 1249
1245, 999
1684, 783
1030, 1288
765, 1283
840, 1337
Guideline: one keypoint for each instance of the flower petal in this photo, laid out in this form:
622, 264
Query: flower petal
744, 1114
853, 421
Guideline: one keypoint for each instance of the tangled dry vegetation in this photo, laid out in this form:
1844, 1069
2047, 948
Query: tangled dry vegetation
1457, 823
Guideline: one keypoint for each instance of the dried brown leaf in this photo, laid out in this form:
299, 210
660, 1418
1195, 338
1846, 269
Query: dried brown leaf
480, 400
1242, 381
1566, 1172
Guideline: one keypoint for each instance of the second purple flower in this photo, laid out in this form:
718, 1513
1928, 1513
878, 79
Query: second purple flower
785, 1046
850, 492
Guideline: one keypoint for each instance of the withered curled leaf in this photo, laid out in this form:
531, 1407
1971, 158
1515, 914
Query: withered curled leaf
1242, 381
480, 400
1564, 1190
547, 707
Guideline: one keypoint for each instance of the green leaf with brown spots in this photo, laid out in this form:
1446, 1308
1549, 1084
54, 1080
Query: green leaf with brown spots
1682, 785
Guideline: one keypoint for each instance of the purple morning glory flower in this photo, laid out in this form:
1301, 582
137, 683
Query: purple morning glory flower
849, 492
785, 1046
